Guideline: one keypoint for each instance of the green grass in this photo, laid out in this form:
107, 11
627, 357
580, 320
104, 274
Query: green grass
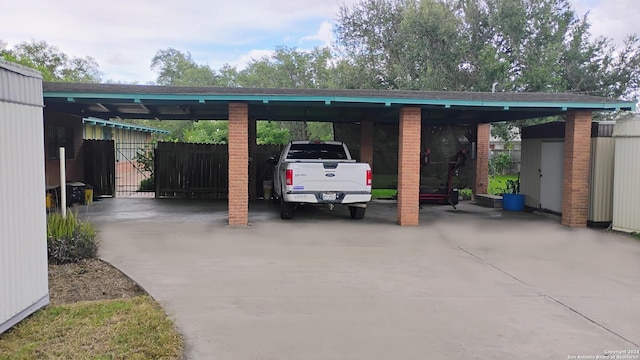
498, 183
383, 193
135, 328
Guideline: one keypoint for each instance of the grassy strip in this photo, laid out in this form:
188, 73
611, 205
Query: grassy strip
135, 328
498, 183
383, 193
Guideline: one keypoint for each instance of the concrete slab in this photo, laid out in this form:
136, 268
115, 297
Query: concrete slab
473, 283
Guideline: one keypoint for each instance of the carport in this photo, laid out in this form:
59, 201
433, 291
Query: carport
411, 110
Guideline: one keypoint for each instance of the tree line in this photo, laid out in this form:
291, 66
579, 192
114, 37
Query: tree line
436, 45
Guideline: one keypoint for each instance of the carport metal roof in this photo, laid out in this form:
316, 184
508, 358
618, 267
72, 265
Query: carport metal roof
211, 103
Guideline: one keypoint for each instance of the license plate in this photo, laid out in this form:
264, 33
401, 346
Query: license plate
330, 196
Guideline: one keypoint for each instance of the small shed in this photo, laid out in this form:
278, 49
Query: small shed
542, 169
23, 237
626, 185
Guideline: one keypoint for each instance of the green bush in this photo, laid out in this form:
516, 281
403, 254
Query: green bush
70, 239
147, 184
465, 193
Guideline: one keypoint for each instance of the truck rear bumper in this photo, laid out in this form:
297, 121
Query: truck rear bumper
321, 198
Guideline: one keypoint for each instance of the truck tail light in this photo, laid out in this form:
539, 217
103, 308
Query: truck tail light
289, 176
369, 178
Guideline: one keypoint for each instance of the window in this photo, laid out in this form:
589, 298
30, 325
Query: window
316, 151
57, 137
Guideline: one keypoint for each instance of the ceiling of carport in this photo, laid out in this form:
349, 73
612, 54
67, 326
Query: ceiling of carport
108, 101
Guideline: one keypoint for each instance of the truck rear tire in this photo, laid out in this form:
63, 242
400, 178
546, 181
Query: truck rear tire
357, 213
286, 210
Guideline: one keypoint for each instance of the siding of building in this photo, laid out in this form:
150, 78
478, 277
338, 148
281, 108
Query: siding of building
626, 189
23, 243
127, 141
601, 181
601, 168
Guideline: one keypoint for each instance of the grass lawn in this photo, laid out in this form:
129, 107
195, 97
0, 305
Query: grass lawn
498, 183
134, 328
383, 193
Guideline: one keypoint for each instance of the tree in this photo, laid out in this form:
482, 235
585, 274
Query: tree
290, 68
53, 63
208, 132
270, 132
481, 45
177, 68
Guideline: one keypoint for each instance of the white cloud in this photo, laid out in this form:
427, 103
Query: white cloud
123, 35
614, 19
324, 34
245, 59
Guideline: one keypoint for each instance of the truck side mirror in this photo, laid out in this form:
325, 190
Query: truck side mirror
272, 160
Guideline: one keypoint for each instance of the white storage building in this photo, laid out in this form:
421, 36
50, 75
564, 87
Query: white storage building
23, 243
542, 169
626, 187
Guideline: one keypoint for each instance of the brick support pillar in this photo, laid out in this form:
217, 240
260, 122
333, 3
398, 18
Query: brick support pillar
577, 156
483, 132
253, 166
366, 142
409, 166
238, 163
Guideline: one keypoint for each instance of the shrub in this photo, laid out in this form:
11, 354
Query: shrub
500, 164
70, 239
147, 184
465, 193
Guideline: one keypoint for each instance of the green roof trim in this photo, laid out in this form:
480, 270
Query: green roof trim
115, 101
117, 125
383, 101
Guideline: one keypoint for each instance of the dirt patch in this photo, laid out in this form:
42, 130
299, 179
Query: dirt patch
89, 280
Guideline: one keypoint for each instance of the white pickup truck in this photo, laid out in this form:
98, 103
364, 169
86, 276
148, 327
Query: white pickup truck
320, 172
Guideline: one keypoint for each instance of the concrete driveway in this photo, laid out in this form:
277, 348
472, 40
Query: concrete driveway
472, 283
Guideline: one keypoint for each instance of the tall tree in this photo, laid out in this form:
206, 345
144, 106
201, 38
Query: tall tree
481, 45
290, 68
175, 67
54, 64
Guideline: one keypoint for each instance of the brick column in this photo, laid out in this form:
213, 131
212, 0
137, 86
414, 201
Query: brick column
238, 163
409, 166
483, 132
366, 142
253, 166
577, 156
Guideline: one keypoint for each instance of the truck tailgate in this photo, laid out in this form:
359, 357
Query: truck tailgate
329, 176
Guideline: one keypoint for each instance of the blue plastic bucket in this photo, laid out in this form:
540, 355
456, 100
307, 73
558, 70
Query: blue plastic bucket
513, 202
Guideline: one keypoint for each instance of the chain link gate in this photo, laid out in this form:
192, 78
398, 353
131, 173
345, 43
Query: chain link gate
134, 169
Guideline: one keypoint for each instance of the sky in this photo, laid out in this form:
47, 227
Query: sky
123, 35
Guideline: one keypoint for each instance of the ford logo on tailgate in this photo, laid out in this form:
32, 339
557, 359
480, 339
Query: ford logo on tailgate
329, 174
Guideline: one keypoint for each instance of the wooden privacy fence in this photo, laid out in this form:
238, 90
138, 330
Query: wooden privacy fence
99, 166
184, 170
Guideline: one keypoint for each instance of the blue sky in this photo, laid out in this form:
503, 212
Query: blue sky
123, 35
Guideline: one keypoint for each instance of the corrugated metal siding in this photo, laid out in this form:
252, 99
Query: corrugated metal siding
601, 181
529, 174
605, 129
23, 247
20, 85
626, 192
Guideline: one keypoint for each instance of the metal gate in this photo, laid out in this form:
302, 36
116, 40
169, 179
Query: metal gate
135, 169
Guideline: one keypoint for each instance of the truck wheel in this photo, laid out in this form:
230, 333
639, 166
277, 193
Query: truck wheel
286, 209
357, 212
